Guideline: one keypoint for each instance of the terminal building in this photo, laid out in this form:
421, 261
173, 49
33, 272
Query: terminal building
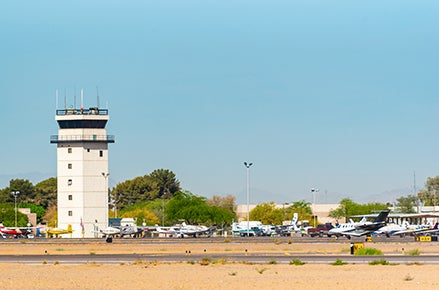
82, 169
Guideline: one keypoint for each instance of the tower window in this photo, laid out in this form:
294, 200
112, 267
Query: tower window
69, 150
88, 149
70, 213
101, 153
69, 166
69, 182
70, 197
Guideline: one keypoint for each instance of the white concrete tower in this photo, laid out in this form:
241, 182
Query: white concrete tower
82, 149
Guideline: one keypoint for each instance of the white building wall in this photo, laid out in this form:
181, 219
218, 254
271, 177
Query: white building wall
82, 188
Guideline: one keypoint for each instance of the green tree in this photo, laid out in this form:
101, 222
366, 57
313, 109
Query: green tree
38, 209
429, 196
349, 208
130, 192
267, 213
192, 209
46, 192
166, 181
7, 216
302, 208
25, 188
140, 213
405, 204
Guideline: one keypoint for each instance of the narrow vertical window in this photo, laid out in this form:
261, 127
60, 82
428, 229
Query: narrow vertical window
69, 166
69, 182
88, 150
70, 197
101, 153
70, 213
69, 150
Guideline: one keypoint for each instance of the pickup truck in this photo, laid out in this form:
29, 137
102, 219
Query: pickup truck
321, 230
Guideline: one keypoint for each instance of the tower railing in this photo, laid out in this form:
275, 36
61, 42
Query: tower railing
81, 111
81, 138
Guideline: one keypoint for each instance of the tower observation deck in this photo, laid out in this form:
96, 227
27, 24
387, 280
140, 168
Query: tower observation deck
82, 169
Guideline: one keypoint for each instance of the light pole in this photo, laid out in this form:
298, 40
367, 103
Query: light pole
314, 191
247, 165
15, 194
283, 206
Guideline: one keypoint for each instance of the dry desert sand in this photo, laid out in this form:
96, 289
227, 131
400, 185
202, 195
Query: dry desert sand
230, 275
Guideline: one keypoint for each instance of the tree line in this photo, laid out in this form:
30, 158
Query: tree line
157, 198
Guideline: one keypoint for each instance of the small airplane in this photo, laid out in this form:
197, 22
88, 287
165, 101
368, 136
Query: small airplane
390, 229
343, 228
361, 229
15, 233
416, 230
132, 231
433, 231
194, 231
56, 232
109, 233
168, 231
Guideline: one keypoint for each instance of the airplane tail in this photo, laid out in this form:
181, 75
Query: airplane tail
69, 228
382, 216
295, 218
363, 220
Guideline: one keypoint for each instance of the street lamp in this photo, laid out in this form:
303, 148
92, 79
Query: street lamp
247, 165
314, 192
15, 194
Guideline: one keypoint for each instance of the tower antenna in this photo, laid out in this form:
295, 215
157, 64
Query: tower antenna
74, 97
97, 96
56, 94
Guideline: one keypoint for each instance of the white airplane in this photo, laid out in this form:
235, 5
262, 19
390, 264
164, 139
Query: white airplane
293, 228
368, 228
391, 229
244, 228
414, 229
362, 228
194, 231
343, 228
168, 231
109, 233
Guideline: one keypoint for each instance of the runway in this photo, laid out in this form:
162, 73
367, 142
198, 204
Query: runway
194, 250
231, 258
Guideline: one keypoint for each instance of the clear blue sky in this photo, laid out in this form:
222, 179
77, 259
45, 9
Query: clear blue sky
336, 95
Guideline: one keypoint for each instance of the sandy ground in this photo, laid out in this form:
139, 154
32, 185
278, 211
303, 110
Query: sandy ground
216, 275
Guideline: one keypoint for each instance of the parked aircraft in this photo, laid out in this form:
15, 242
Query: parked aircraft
343, 228
56, 232
362, 228
416, 230
430, 232
15, 233
132, 231
109, 233
194, 231
244, 228
390, 229
170, 232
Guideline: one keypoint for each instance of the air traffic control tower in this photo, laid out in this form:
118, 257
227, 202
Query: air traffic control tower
82, 149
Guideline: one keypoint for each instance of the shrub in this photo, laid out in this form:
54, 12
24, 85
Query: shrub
205, 261
338, 262
297, 262
368, 252
379, 262
414, 252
